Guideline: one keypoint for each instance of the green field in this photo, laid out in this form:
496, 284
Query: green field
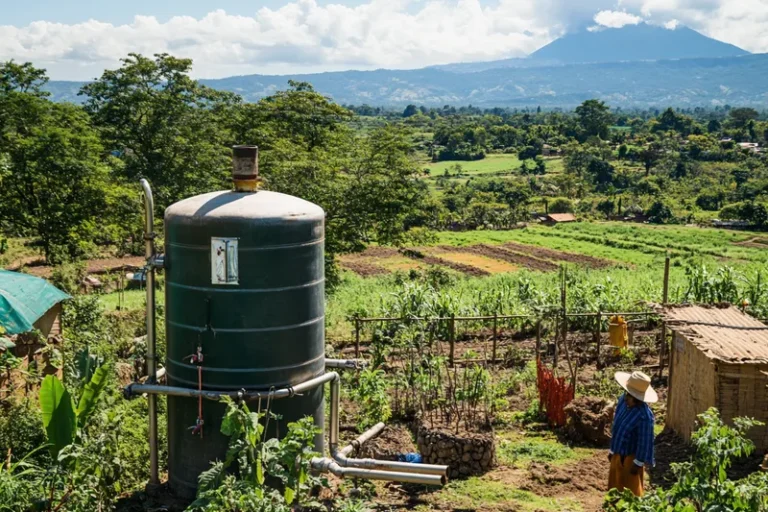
637, 244
638, 251
498, 165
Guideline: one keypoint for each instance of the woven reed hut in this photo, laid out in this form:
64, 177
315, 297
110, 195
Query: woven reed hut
719, 358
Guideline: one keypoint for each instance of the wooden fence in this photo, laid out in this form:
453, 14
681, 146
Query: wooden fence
359, 322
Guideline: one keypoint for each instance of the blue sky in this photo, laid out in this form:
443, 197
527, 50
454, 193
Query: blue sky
77, 40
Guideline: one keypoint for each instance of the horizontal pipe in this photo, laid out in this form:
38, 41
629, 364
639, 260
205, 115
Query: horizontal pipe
155, 389
362, 439
325, 465
345, 364
341, 456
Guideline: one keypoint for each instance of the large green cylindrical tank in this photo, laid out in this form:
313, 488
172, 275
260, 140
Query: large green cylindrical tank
245, 283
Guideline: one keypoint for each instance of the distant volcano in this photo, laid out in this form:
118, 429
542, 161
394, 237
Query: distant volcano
633, 43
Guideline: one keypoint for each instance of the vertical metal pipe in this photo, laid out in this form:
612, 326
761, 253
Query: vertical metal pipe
149, 250
333, 435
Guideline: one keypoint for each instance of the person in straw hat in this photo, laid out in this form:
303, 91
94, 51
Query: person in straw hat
632, 433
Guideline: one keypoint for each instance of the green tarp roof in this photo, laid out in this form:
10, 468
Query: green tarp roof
24, 299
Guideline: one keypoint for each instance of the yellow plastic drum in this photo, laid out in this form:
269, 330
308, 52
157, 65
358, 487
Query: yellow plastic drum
617, 331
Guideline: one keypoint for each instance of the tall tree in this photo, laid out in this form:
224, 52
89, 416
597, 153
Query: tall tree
367, 184
740, 117
594, 118
164, 125
54, 181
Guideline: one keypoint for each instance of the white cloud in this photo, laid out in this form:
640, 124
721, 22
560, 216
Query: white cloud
616, 19
303, 36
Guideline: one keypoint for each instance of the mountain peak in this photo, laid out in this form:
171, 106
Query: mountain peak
632, 43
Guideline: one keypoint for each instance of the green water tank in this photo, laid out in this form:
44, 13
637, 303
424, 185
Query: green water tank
245, 283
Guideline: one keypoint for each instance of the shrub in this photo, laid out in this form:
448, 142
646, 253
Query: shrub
731, 212
659, 212
561, 205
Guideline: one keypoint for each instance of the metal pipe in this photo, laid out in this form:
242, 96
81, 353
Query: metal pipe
326, 465
155, 389
333, 435
345, 364
149, 252
342, 458
362, 439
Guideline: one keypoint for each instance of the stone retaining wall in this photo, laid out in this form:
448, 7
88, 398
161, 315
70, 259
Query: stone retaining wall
465, 454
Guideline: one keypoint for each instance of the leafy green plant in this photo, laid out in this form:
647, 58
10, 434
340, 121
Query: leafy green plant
702, 483
256, 459
61, 418
373, 396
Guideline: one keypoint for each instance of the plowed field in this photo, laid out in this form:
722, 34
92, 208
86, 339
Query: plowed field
474, 260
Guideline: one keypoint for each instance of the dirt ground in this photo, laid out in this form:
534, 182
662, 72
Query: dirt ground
37, 267
475, 260
573, 481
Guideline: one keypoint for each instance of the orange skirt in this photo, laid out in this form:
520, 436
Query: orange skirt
620, 476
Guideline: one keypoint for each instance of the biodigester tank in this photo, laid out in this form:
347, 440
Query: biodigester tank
244, 310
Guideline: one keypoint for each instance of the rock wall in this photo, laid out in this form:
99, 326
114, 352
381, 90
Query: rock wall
465, 454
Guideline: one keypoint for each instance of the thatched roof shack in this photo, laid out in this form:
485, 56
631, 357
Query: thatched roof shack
719, 358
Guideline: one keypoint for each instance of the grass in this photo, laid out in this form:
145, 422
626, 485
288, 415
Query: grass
480, 493
133, 299
518, 451
491, 164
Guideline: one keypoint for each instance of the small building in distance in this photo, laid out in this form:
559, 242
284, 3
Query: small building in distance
551, 219
547, 150
28, 302
719, 358
750, 146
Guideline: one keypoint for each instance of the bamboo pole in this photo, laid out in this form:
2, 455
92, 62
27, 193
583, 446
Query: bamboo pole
495, 337
598, 329
452, 338
664, 301
357, 337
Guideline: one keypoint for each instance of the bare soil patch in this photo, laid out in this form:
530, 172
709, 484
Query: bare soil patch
459, 267
551, 254
94, 266
362, 268
394, 440
517, 259
481, 261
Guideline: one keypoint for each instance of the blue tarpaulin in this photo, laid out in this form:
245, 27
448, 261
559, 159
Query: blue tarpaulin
24, 299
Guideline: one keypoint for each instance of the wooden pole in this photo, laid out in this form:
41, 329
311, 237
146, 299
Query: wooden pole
357, 337
664, 301
452, 339
564, 324
598, 329
495, 336
538, 338
538, 354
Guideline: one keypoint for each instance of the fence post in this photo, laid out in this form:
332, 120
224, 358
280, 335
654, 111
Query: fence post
495, 335
598, 330
357, 336
664, 300
452, 338
538, 339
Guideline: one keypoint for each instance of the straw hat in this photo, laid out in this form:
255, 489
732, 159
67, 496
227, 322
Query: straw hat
638, 385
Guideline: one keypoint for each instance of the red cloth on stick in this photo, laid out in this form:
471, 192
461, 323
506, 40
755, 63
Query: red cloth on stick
554, 394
